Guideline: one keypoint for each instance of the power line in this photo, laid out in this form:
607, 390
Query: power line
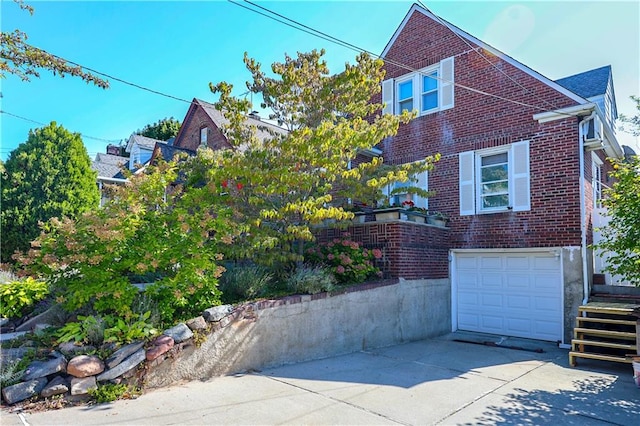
317, 33
43, 124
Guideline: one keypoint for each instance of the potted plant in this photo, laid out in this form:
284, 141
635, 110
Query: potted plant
359, 215
438, 219
389, 212
415, 214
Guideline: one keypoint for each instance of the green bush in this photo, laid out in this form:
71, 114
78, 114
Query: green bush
311, 280
349, 262
112, 392
17, 296
245, 282
88, 329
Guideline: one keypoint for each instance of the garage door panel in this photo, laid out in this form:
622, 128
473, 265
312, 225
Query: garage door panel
493, 262
520, 262
492, 301
491, 281
522, 282
518, 327
518, 302
510, 294
491, 323
469, 322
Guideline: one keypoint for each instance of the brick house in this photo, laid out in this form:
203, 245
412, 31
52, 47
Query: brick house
523, 166
203, 124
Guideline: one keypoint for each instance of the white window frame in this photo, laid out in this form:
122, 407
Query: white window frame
407, 79
519, 179
204, 132
444, 88
596, 179
478, 176
426, 73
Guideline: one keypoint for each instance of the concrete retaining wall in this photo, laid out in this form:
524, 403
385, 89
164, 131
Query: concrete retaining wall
300, 328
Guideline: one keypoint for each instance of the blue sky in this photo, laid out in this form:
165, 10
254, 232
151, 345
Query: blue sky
179, 47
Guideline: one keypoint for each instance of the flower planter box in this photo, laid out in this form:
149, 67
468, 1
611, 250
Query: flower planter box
416, 217
359, 217
434, 220
393, 213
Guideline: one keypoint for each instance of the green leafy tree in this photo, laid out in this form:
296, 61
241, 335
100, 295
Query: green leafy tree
25, 61
162, 130
148, 228
47, 176
279, 187
632, 124
621, 237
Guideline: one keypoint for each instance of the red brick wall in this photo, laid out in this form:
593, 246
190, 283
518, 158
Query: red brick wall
189, 136
478, 121
410, 250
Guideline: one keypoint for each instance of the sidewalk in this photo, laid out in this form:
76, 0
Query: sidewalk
437, 381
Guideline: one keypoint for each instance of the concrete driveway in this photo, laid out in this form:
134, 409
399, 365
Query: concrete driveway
439, 381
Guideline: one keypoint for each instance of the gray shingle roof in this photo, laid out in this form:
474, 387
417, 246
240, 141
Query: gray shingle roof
263, 127
142, 141
108, 166
169, 151
588, 83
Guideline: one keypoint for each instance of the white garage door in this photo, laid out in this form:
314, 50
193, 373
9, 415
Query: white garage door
512, 294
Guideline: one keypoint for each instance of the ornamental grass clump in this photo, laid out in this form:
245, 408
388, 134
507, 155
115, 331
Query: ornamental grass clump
348, 260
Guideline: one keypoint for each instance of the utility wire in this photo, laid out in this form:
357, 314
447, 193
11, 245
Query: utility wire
43, 124
317, 33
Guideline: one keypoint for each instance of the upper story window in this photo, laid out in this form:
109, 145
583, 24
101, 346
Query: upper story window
427, 90
405, 95
430, 91
203, 135
495, 179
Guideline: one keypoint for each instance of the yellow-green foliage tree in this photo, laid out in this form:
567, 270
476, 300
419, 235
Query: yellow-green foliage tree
282, 185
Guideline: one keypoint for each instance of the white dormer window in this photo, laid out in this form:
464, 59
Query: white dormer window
427, 90
203, 135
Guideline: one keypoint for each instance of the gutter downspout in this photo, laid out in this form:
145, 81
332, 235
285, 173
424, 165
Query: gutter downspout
583, 211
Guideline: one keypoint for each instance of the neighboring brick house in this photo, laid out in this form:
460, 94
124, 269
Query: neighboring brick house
523, 164
203, 126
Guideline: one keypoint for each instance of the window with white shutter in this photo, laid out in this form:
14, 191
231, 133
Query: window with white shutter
495, 180
428, 90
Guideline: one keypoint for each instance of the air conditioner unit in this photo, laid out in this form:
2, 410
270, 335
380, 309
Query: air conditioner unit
594, 130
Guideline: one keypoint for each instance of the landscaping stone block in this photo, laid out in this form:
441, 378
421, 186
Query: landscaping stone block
82, 385
179, 333
123, 367
118, 356
70, 349
13, 354
21, 391
160, 346
197, 323
217, 313
56, 386
85, 366
45, 368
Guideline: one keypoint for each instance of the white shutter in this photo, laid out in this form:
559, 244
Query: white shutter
467, 184
387, 96
520, 176
446, 83
422, 183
